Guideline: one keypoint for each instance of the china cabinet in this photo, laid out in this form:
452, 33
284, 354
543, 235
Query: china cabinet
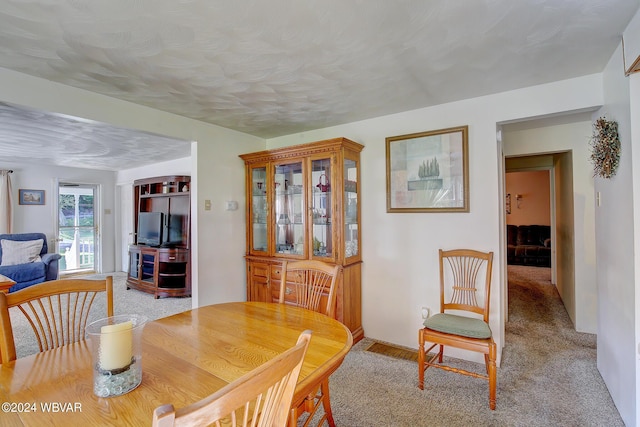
159, 259
303, 203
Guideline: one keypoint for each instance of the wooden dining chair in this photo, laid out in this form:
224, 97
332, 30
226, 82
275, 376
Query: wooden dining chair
464, 276
311, 284
260, 398
57, 311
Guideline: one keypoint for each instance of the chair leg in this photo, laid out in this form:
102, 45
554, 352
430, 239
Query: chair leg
311, 405
421, 356
441, 353
326, 402
293, 417
492, 375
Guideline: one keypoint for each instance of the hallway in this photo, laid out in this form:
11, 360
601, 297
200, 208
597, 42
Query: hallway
558, 363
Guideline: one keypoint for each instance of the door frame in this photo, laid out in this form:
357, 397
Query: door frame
97, 246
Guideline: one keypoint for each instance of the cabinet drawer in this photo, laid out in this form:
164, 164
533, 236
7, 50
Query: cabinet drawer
260, 270
173, 256
276, 272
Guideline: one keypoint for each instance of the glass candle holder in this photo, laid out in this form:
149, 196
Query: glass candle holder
116, 345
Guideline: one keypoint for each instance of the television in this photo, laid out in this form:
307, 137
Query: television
150, 225
173, 235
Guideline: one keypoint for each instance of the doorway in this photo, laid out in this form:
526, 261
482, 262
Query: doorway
559, 165
530, 213
77, 232
564, 138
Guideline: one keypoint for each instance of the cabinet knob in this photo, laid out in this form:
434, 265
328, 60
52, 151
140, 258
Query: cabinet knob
288, 291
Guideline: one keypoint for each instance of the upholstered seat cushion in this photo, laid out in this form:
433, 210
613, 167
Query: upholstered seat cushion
458, 325
33, 272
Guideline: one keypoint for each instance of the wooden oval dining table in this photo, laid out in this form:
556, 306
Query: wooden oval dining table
185, 357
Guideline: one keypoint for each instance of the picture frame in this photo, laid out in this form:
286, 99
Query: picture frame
428, 171
508, 203
31, 197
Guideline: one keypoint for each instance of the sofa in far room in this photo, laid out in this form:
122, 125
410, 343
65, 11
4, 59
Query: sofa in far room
24, 258
529, 245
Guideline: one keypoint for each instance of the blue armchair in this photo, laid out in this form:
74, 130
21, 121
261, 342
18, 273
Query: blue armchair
30, 273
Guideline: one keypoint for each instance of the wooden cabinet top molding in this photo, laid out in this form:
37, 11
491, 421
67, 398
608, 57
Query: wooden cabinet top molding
302, 150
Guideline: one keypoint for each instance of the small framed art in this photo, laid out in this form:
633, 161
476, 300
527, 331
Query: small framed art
31, 197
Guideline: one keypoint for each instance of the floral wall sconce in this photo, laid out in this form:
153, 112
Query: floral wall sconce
518, 200
508, 202
605, 148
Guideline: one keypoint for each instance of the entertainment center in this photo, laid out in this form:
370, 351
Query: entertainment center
160, 258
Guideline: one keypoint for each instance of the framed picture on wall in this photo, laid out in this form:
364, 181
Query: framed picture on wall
31, 197
428, 171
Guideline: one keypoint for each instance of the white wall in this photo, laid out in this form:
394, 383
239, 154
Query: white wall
218, 173
400, 272
568, 135
223, 269
635, 138
617, 221
632, 41
173, 167
29, 218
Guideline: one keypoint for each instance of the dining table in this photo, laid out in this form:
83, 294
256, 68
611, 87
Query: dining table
185, 357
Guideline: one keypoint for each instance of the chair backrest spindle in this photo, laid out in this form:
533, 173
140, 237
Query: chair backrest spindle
57, 310
309, 282
460, 276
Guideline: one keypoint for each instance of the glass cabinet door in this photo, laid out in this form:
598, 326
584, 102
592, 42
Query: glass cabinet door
351, 214
259, 209
288, 209
321, 208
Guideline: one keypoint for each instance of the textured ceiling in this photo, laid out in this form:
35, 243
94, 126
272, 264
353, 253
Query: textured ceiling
44, 138
272, 68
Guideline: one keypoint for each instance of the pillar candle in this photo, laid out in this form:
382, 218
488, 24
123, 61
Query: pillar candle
116, 345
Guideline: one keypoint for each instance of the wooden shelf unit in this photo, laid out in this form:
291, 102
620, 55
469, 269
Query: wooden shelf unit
303, 203
163, 272
162, 269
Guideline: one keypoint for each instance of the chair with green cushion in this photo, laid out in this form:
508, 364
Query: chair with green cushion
465, 276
